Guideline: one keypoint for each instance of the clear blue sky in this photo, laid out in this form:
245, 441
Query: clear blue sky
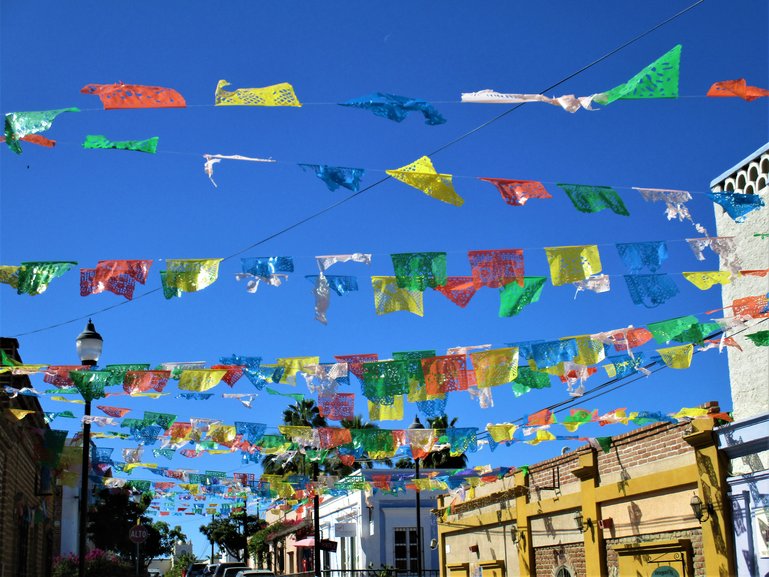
73, 204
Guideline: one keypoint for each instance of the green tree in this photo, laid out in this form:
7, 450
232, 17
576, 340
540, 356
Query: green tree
181, 562
227, 533
304, 413
437, 459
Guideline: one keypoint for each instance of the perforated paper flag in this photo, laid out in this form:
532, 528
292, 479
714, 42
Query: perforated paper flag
513, 298
33, 278
383, 380
640, 256
418, 270
495, 367
143, 381
265, 266
667, 330
650, 290
723, 246
212, 159
95, 141
38, 139
496, 268
276, 95
600, 283
396, 107
568, 102
422, 175
90, 384
759, 338
200, 379
518, 192
569, 264
675, 203
188, 275
337, 406
677, 357
121, 95
21, 124
588, 198
336, 176
116, 276
737, 205
738, 88
706, 280
658, 80
756, 306
444, 374
458, 289
382, 412
389, 298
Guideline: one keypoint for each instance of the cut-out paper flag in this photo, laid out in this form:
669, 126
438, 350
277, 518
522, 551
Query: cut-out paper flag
458, 289
188, 275
650, 290
723, 246
445, 374
275, 95
668, 330
381, 412
265, 266
337, 407
389, 298
706, 280
327, 261
21, 124
336, 176
143, 381
737, 205
200, 380
119, 95
323, 284
38, 139
496, 268
116, 276
518, 192
513, 298
569, 264
759, 338
588, 198
33, 278
383, 380
396, 107
415, 271
738, 88
421, 175
117, 412
294, 365
677, 357
94, 141
756, 306
568, 102
495, 367
599, 283
640, 256
212, 159
658, 80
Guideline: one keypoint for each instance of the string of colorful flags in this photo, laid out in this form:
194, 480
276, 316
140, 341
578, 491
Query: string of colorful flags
413, 273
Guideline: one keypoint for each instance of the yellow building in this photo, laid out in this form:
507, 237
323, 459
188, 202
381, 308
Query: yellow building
588, 513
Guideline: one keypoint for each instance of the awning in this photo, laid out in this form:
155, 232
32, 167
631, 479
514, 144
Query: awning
306, 542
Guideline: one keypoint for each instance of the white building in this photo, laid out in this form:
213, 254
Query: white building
745, 441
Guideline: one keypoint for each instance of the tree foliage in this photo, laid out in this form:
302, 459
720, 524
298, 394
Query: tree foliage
181, 562
227, 533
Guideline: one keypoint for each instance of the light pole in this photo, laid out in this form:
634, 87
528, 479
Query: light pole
89, 345
417, 424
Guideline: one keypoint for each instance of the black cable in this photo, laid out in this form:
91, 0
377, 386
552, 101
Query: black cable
386, 178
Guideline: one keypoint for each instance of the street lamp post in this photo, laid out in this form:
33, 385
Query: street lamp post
89, 346
417, 424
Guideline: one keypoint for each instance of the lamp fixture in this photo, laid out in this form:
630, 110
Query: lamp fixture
89, 344
702, 511
514, 533
583, 526
433, 544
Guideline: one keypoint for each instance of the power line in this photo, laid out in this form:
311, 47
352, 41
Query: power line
377, 183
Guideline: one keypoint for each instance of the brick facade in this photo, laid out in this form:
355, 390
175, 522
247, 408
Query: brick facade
548, 559
694, 536
27, 518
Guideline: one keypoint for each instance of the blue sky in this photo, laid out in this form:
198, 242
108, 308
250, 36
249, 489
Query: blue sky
72, 204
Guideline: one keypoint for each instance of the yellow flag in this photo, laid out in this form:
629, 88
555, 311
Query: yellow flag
65, 400
394, 412
542, 435
301, 435
222, 433
9, 274
20, 413
706, 280
572, 263
190, 274
200, 379
589, 351
294, 365
389, 298
502, 432
690, 412
495, 367
679, 357
422, 175
276, 95
128, 467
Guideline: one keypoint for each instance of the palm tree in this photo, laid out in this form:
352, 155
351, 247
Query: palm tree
443, 459
304, 413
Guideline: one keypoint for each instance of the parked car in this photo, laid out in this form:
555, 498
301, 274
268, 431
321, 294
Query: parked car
194, 570
210, 569
256, 573
233, 571
221, 567
154, 573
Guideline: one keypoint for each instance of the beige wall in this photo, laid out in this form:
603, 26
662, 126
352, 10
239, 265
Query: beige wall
652, 513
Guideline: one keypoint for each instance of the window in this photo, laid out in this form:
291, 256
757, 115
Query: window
563, 571
405, 548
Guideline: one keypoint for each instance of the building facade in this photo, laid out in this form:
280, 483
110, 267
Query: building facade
29, 507
626, 512
746, 441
